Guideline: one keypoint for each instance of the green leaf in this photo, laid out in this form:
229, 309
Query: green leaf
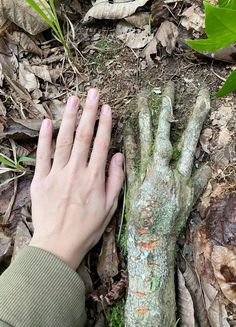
227, 4
220, 28
229, 85
7, 162
24, 159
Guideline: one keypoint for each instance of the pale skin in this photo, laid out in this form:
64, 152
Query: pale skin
72, 200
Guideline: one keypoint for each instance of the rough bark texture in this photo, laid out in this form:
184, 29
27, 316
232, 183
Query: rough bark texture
160, 199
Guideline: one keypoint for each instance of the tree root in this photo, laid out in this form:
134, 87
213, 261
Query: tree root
160, 200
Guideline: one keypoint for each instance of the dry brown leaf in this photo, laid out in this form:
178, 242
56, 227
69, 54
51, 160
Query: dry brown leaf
105, 10
132, 37
223, 115
159, 12
224, 263
108, 260
193, 18
193, 285
22, 238
27, 79
225, 137
205, 138
23, 40
216, 311
150, 49
5, 243
41, 71
2, 109
167, 34
139, 19
8, 61
185, 303
21, 14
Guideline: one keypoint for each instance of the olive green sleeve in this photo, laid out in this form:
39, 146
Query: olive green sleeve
40, 290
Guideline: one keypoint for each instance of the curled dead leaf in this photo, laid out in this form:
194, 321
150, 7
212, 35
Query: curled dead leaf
117, 10
224, 263
167, 34
23, 40
193, 18
20, 13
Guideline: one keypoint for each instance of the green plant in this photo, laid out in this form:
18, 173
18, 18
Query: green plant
116, 315
220, 29
13, 166
49, 15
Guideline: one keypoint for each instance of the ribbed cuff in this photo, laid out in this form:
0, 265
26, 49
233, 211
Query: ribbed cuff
40, 290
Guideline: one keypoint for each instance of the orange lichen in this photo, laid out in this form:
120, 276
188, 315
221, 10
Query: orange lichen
142, 230
141, 294
148, 245
142, 310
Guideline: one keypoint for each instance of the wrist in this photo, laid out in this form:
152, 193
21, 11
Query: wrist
70, 257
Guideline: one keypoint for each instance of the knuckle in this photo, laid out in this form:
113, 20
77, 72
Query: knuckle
84, 135
102, 143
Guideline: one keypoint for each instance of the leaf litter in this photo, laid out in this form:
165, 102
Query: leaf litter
35, 81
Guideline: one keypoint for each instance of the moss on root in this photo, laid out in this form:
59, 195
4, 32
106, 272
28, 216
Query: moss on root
115, 317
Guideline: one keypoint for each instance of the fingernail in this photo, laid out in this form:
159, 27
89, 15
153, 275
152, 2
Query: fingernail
46, 123
105, 109
73, 102
119, 159
92, 94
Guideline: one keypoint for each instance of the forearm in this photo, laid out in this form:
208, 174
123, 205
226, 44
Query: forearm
38, 289
151, 294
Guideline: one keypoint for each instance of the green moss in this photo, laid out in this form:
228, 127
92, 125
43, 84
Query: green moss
123, 240
116, 315
175, 153
154, 104
108, 50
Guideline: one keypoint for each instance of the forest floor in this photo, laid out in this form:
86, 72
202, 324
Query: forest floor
39, 85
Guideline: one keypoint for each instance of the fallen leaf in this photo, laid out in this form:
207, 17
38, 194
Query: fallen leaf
221, 221
27, 78
150, 49
167, 34
132, 37
108, 260
159, 12
224, 263
185, 303
193, 18
193, 285
22, 238
117, 10
8, 61
2, 108
223, 115
22, 14
41, 71
139, 19
23, 40
224, 137
5, 243
205, 138
216, 311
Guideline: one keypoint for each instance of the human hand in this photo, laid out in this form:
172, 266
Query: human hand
72, 201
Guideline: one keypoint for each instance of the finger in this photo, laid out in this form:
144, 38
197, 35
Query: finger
44, 151
85, 130
163, 150
114, 181
192, 132
145, 126
66, 133
102, 141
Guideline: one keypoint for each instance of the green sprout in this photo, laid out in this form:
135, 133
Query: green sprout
13, 166
49, 15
